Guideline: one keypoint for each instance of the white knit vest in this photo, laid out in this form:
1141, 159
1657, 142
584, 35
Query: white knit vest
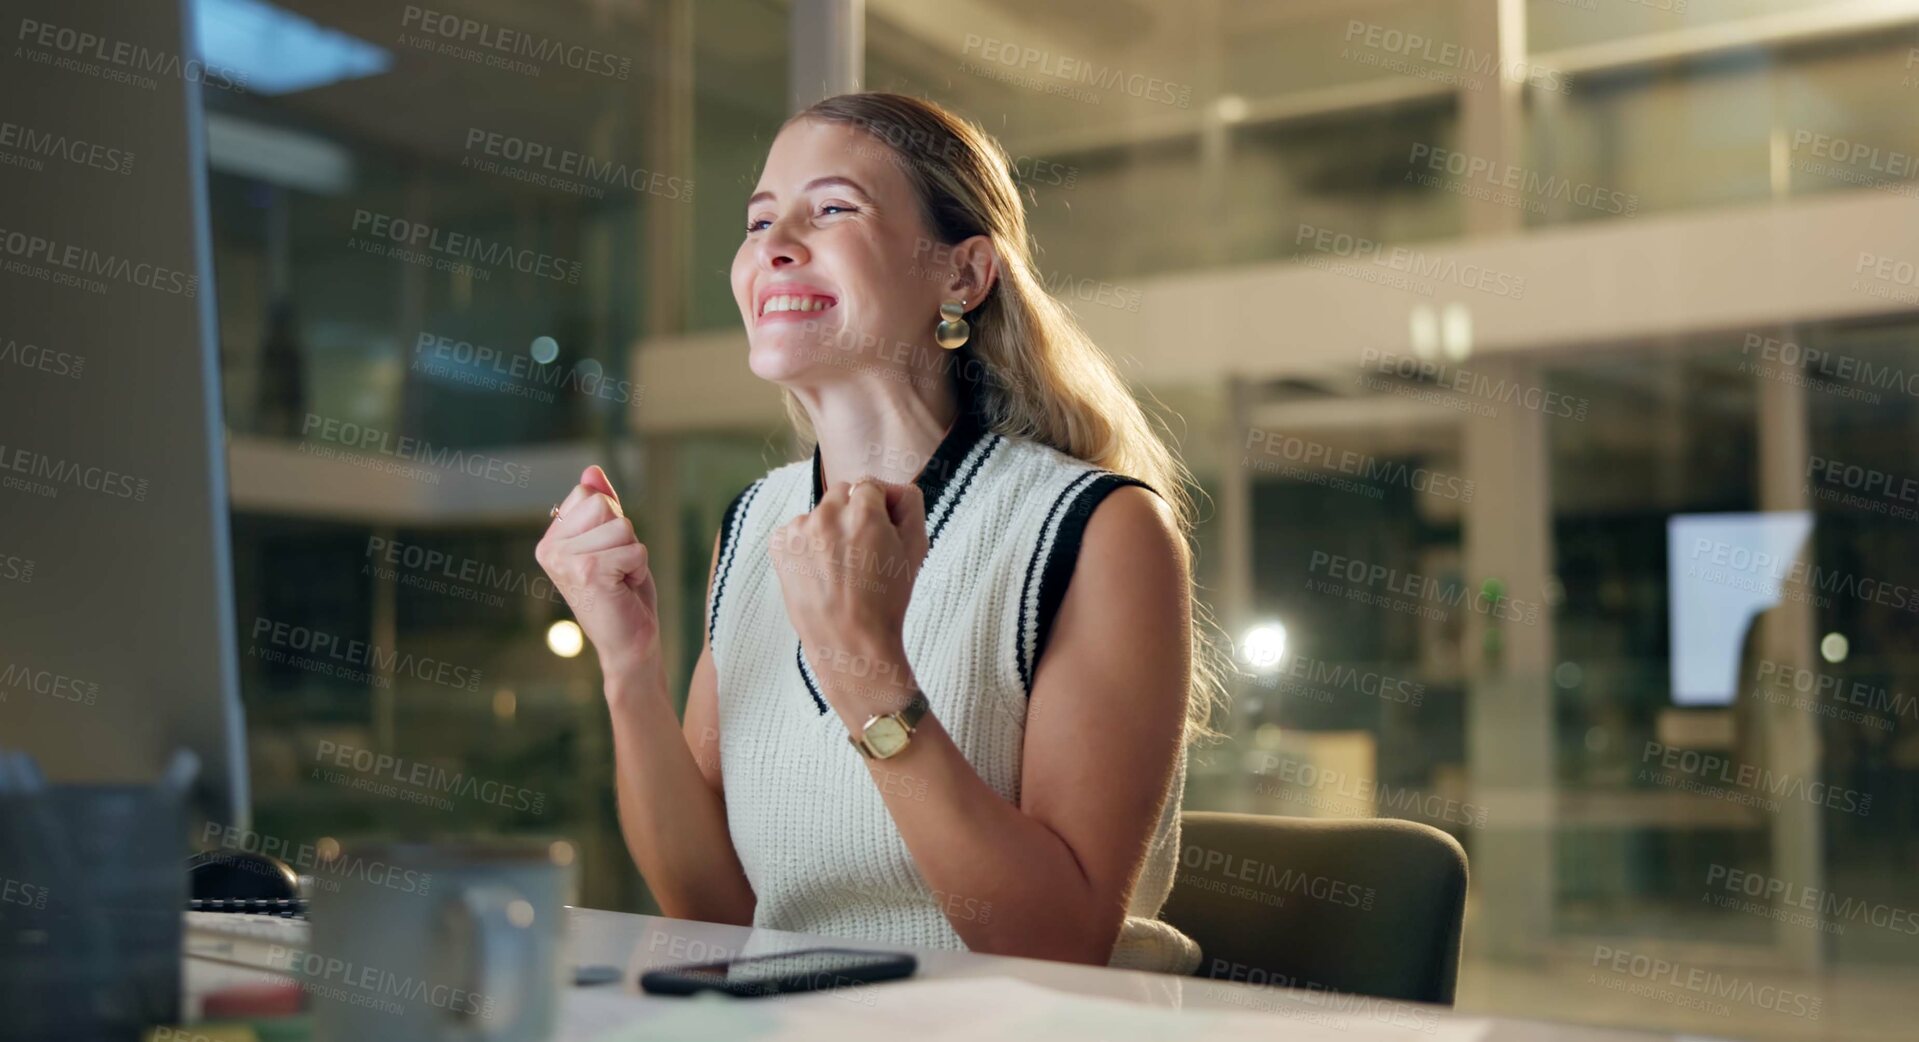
1004, 518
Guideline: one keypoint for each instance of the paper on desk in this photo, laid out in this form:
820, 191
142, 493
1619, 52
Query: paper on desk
1007, 1008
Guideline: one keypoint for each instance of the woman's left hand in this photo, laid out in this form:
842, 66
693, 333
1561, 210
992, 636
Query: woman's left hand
846, 570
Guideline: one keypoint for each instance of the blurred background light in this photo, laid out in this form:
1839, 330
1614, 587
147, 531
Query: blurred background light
564, 638
1264, 645
1456, 331
1423, 328
270, 50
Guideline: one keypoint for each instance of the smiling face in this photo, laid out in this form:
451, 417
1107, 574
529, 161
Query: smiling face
836, 266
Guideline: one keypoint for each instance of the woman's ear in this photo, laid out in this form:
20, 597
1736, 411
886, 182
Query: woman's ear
975, 270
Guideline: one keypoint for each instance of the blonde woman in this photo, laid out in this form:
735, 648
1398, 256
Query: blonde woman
950, 666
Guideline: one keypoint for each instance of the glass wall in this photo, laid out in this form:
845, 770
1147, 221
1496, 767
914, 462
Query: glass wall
433, 262
1509, 562
1512, 593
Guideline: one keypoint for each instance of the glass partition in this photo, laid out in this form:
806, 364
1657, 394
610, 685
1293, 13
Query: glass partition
1474, 588
1473, 577
433, 267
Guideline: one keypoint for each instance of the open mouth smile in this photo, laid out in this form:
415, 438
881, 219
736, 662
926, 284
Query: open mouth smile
793, 302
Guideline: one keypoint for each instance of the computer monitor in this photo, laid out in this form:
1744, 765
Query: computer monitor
1722, 572
117, 641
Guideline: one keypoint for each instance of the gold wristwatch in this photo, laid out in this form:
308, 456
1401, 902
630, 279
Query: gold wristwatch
888, 734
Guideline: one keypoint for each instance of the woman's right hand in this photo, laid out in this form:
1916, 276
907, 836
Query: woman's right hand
599, 565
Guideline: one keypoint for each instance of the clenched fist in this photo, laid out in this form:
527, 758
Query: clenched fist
599, 565
846, 569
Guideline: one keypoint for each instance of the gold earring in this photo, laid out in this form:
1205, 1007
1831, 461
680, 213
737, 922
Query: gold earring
952, 330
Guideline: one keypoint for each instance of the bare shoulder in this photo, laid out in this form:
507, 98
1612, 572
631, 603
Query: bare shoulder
1133, 531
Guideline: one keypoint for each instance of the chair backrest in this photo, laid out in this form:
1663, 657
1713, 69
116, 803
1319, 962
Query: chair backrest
1371, 906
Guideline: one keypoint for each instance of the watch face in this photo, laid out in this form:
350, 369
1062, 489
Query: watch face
886, 736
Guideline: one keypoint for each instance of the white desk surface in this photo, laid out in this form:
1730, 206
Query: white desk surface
959, 995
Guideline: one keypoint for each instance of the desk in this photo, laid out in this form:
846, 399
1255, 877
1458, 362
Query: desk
950, 995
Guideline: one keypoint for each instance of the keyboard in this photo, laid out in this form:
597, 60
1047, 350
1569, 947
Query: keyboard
289, 908
257, 941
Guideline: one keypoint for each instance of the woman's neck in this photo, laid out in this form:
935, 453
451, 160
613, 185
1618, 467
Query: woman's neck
882, 432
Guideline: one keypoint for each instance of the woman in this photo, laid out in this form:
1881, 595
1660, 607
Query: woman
950, 666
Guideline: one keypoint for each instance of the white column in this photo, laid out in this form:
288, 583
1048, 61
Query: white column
1790, 736
1508, 536
1492, 112
1508, 665
828, 52
1788, 631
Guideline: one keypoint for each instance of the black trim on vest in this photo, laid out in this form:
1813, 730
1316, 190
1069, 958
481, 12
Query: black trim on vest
941, 469
806, 674
993, 442
1032, 566
1074, 507
735, 516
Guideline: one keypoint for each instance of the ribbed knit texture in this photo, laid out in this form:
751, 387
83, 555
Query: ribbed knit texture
815, 837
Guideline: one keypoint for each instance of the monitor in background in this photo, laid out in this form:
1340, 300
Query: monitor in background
117, 641
1722, 571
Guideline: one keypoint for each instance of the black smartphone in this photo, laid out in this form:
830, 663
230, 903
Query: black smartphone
814, 969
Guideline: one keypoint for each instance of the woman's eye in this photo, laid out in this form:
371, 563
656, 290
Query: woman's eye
761, 223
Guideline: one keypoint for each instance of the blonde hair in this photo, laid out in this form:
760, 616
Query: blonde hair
1038, 375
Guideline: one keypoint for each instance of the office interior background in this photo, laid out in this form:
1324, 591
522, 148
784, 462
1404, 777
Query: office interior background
1548, 368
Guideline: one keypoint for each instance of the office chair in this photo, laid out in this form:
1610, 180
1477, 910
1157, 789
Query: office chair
1371, 906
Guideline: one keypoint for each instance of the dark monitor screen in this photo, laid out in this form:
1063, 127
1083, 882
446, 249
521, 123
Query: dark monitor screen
116, 623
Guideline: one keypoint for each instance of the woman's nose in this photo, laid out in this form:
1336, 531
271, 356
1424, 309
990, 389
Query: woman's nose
779, 247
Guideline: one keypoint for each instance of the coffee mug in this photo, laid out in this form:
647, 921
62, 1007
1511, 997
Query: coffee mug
435, 942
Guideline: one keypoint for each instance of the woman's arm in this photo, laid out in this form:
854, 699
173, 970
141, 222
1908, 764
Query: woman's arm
667, 780
1050, 878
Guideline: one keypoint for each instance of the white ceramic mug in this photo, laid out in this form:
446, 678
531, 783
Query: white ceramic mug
436, 942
